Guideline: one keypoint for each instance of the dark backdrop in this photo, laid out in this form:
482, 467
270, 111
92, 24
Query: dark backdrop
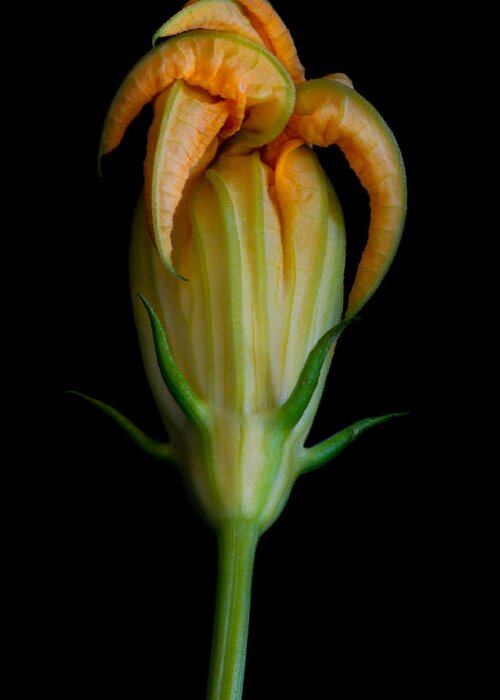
352, 590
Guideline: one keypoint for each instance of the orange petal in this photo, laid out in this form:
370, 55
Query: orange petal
275, 32
273, 150
226, 66
328, 112
223, 15
302, 195
186, 123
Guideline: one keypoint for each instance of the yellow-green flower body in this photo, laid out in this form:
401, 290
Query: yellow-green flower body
262, 250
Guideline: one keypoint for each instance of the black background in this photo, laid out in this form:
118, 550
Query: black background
355, 586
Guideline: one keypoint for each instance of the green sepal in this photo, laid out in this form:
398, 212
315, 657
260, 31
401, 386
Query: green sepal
175, 381
293, 409
318, 455
154, 448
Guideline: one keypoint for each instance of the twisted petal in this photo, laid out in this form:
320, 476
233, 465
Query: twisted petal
243, 85
226, 66
184, 130
329, 112
269, 26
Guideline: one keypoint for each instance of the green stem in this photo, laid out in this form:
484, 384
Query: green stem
237, 544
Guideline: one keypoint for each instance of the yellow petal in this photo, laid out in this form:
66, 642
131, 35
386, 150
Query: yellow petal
237, 233
257, 229
311, 238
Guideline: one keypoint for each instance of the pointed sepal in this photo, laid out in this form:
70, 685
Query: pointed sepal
176, 382
154, 448
318, 455
293, 409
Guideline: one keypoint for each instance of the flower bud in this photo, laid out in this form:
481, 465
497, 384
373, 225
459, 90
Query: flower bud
237, 268
260, 254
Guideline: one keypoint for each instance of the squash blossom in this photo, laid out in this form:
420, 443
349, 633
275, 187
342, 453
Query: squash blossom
237, 268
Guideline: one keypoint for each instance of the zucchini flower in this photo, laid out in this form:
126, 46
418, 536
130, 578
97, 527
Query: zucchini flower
237, 269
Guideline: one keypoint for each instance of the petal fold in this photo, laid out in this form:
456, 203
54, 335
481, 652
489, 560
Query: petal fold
227, 66
273, 32
222, 15
186, 123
